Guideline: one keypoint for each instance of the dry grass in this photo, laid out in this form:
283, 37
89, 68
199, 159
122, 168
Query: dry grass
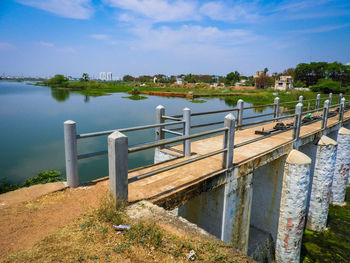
92, 238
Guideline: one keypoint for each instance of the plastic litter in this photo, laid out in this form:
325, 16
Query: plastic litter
192, 255
121, 227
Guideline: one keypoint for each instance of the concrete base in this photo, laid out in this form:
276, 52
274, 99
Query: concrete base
261, 246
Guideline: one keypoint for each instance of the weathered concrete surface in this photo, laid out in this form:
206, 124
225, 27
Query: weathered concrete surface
293, 207
321, 184
342, 166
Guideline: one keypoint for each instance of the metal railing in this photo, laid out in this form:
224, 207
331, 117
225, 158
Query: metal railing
231, 123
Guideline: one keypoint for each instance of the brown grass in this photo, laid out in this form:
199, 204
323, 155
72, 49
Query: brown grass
92, 238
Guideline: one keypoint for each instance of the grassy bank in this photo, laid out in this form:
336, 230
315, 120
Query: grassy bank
332, 245
92, 238
44, 177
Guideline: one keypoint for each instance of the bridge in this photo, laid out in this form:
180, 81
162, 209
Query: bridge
253, 184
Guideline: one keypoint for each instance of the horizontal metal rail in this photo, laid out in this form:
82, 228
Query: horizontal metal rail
208, 112
289, 102
312, 111
173, 140
137, 128
264, 121
258, 106
172, 132
173, 166
88, 155
261, 138
257, 116
171, 118
206, 124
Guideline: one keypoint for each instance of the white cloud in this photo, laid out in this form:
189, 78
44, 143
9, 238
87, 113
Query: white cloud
222, 12
321, 29
99, 36
159, 10
6, 46
296, 6
191, 39
77, 9
46, 44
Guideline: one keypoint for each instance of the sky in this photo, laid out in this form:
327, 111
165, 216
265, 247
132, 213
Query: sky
147, 37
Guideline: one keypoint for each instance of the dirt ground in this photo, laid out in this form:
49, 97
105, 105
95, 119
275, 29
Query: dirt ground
24, 223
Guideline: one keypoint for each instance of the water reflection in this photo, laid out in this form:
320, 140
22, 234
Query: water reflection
59, 95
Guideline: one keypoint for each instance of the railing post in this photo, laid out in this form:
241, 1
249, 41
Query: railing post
301, 98
276, 113
229, 122
340, 97
325, 114
330, 95
71, 153
297, 124
160, 112
318, 98
341, 110
240, 106
118, 166
187, 131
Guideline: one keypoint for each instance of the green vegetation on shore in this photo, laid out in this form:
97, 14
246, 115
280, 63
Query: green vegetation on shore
44, 177
332, 245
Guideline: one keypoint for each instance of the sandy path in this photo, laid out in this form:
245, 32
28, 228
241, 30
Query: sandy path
24, 223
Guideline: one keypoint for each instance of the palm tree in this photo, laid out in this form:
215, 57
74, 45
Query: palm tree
85, 77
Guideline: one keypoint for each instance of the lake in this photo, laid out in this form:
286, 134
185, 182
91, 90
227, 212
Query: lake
31, 134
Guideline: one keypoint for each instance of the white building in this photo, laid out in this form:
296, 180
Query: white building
284, 82
103, 76
109, 76
179, 81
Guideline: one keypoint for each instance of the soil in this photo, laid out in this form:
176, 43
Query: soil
26, 218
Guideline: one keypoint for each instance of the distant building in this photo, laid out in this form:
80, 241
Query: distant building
109, 76
103, 76
284, 82
179, 81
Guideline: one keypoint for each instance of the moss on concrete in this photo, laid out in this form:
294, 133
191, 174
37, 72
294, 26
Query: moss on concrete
332, 245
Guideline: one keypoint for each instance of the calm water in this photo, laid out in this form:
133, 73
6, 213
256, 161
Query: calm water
31, 134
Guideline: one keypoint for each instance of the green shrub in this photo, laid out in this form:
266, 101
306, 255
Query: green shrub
327, 86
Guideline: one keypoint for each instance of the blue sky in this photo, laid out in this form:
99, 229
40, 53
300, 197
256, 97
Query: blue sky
44, 37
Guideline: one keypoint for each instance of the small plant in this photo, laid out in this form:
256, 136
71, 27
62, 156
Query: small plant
107, 210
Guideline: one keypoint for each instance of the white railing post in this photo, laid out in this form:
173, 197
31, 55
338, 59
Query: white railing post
276, 112
330, 95
160, 112
71, 153
240, 106
325, 115
297, 125
340, 97
229, 122
341, 110
118, 166
301, 98
187, 131
318, 98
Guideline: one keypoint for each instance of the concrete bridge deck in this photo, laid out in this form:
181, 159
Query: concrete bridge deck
174, 187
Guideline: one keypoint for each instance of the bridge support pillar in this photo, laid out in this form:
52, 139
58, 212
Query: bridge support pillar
321, 184
293, 207
236, 211
342, 166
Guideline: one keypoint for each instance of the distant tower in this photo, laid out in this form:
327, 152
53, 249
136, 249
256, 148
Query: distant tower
109, 76
102, 75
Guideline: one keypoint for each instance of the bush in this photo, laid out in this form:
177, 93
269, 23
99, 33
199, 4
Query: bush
327, 86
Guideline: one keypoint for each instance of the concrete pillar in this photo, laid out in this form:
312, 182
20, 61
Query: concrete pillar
297, 125
301, 98
342, 166
318, 98
293, 207
240, 106
160, 111
330, 95
71, 153
118, 166
322, 184
187, 131
229, 123
236, 211
276, 111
